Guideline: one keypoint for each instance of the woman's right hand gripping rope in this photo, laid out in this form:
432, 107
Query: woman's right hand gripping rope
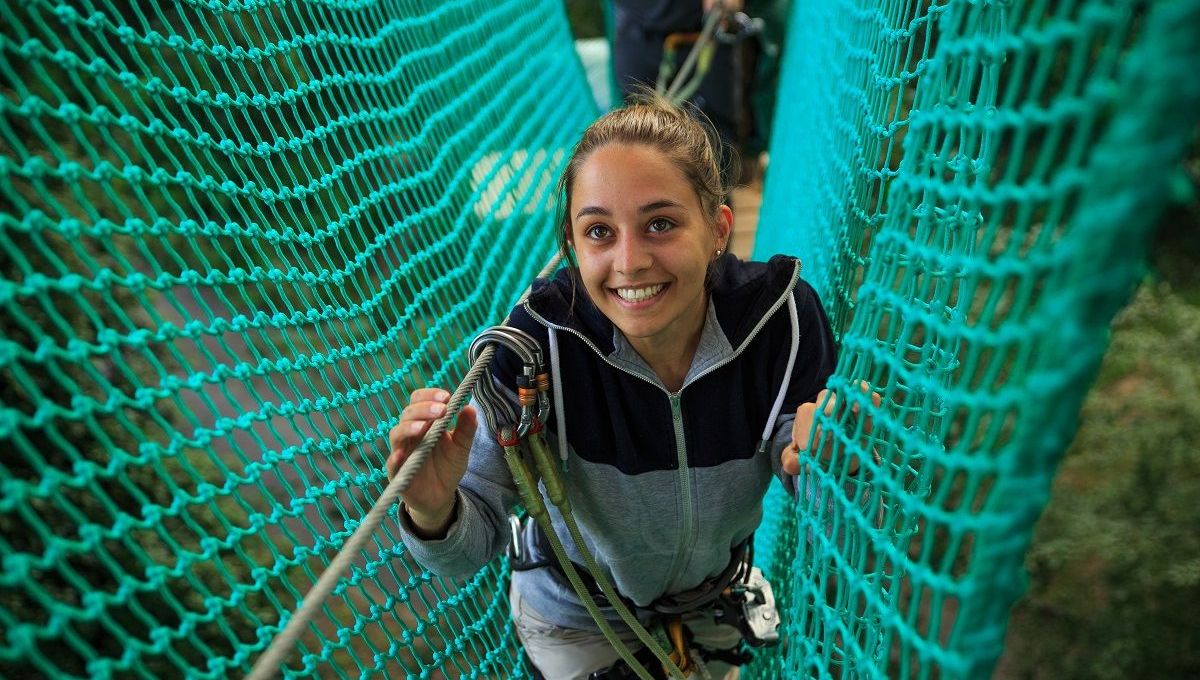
430, 496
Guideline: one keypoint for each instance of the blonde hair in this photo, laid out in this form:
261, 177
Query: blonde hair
685, 136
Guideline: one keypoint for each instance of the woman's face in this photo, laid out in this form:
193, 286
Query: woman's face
643, 243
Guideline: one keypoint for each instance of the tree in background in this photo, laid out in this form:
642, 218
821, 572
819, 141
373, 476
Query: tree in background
1115, 561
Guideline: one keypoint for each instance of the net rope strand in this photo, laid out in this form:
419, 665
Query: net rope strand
273, 658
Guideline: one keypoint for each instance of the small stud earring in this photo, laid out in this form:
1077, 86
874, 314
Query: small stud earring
719, 251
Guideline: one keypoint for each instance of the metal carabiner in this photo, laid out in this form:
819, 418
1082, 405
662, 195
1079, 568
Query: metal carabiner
540, 379
526, 349
497, 410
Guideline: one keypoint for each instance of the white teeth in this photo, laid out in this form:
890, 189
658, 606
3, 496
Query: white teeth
640, 294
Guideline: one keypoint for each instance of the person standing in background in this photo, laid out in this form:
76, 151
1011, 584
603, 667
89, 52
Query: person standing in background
640, 29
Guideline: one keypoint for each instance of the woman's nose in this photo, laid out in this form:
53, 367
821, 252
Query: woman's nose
632, 255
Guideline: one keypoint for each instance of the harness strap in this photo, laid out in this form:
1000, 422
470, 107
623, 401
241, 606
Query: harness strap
535, 546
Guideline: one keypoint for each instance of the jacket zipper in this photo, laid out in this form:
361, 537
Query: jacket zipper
685, 486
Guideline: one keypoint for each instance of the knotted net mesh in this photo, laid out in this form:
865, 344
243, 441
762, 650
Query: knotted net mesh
971, 186
234, 235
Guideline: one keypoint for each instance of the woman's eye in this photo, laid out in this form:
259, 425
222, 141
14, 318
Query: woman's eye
659, 225
597, 231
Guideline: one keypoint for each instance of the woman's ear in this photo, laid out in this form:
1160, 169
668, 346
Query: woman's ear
723, 227
568, 237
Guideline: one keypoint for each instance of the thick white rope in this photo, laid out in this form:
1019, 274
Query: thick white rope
269, 664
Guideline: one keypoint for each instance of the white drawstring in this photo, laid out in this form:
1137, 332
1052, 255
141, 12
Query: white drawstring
787, 374
560, 416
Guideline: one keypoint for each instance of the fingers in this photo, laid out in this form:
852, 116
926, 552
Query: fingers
790, 460
876, 398
876, 402
805, 429
422, 411
802, 425
395, 460
802, 429
429, 394
464, 429
425, 406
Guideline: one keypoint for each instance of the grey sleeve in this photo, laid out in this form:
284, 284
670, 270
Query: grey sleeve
779, 441
854, 488
480, 529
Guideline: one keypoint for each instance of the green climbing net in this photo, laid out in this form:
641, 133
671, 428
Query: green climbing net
971, 186
235, 234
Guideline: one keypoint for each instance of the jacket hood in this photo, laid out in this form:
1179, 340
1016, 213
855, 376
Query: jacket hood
742, 293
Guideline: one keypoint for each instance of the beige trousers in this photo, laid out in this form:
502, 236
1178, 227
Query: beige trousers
571, 654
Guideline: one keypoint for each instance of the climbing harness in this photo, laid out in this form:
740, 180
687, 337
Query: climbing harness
749, 606
530, 547
740, 597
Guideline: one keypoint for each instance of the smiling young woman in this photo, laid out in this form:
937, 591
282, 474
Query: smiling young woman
644, 243
688, 381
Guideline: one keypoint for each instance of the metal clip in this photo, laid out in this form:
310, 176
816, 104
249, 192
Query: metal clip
514, 526
750, 607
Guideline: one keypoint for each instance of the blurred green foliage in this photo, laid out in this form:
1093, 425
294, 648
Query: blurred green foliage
586, 18
1115, 561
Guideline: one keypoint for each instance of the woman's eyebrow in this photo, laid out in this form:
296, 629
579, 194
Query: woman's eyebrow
659, 205
649, 207
593, 210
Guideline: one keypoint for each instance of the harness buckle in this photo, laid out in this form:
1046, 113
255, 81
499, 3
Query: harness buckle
750, 607
525, 549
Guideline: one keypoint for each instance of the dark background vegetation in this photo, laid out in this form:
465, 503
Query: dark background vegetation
1115, 562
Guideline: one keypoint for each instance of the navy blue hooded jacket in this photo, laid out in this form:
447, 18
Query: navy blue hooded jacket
663, 484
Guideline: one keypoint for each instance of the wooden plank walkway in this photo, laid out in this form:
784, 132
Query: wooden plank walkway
746, 202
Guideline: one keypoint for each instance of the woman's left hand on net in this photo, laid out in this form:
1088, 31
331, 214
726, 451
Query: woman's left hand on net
802, 428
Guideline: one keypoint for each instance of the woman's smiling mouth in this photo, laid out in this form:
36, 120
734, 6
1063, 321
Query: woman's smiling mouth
640, 294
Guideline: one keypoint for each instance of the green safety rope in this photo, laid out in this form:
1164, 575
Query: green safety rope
527, 484
235, 234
